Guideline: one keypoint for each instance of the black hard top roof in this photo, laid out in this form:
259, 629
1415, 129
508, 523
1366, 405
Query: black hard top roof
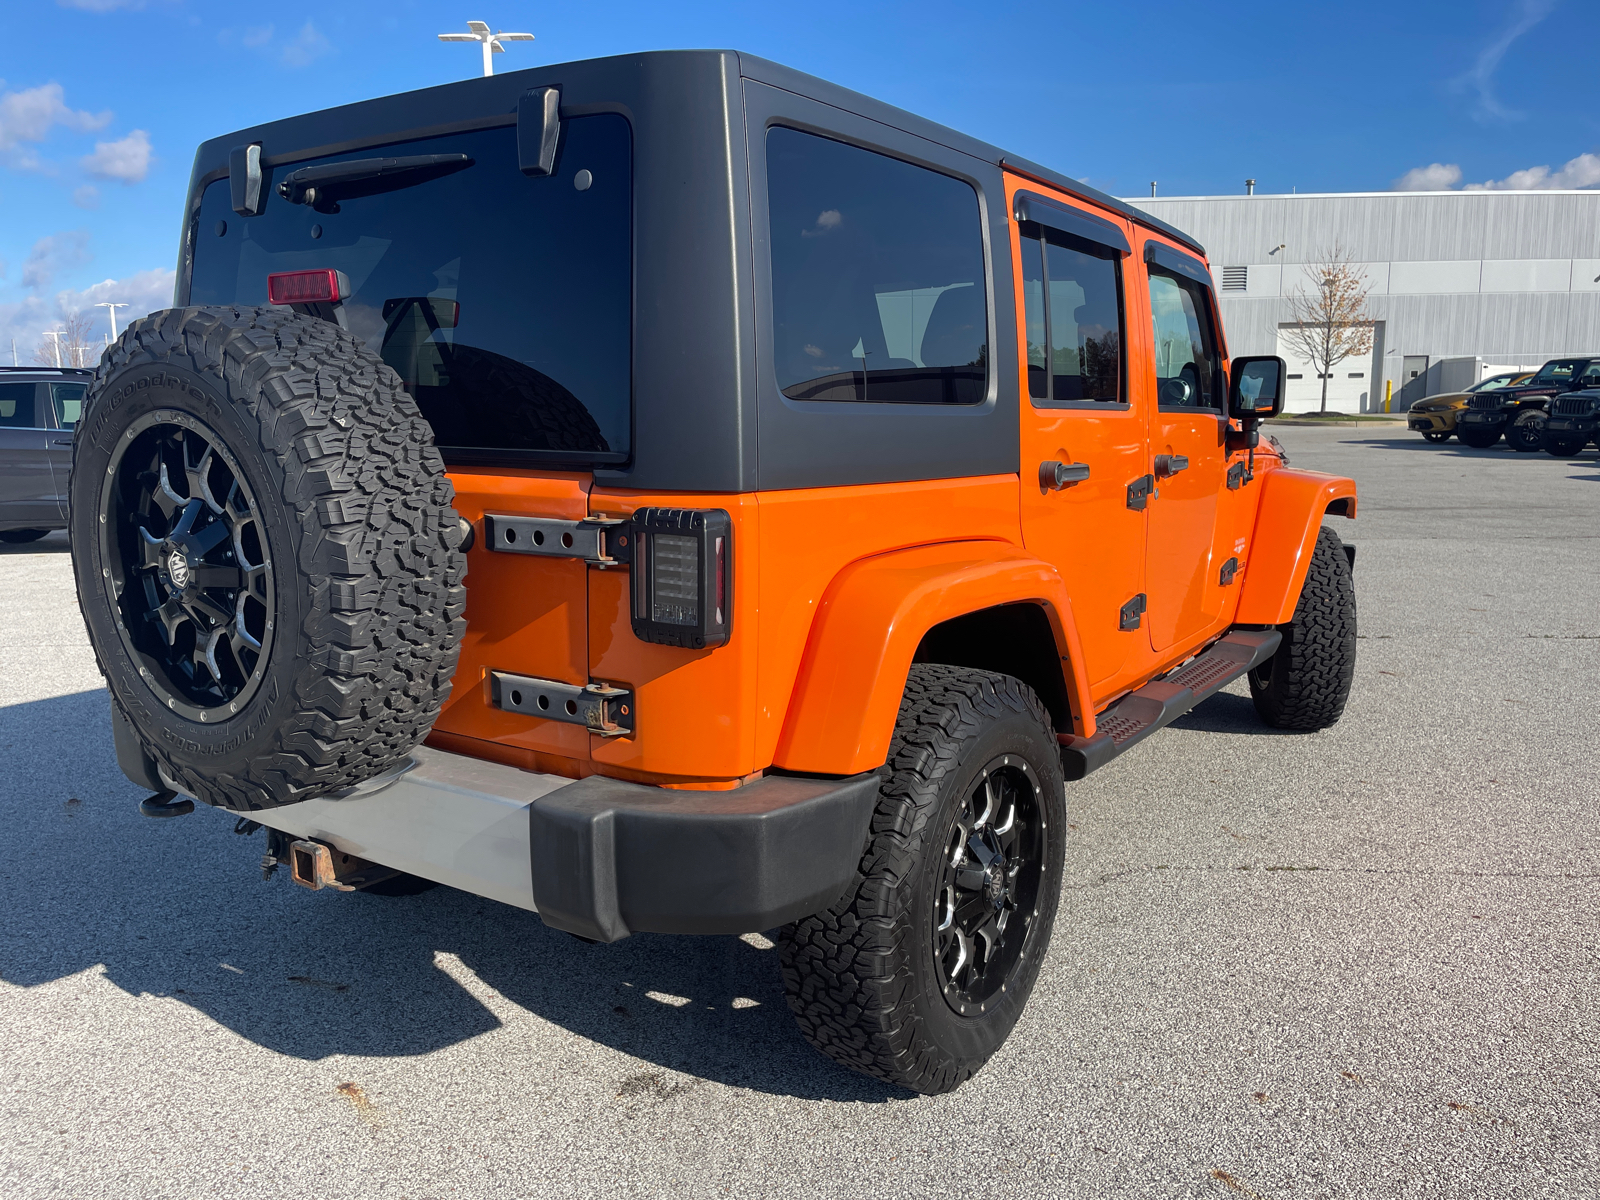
465, 102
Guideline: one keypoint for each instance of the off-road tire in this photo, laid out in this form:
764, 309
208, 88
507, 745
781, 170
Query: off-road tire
1525, 433
1478, 439
1305, 685
860, 977
18, 537
358, 531
1437, 435
1561, 447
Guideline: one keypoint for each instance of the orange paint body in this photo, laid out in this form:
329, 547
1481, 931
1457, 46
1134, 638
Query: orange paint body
834, 589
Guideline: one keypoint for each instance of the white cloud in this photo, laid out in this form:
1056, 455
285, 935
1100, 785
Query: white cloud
88, 196
257, 37
1480, 78
1435, 177
127, 159
101, 6
1580, 172
28, 116
52, 255
25, 322
308, 46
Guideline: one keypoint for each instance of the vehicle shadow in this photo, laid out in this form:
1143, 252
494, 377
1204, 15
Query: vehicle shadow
1227, 713
1454, 449
177, 908
54, 542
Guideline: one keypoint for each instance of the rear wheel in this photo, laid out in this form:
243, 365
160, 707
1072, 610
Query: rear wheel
1478, 439
918, 974
19, 536
1563, 447
1437, 435
1526, 433
1306, 683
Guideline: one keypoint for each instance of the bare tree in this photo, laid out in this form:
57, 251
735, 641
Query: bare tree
1330, 317
78, 345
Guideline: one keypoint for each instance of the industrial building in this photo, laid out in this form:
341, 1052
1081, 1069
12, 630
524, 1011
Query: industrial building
1462, 283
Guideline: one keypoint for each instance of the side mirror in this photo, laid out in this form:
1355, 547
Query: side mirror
1256, 391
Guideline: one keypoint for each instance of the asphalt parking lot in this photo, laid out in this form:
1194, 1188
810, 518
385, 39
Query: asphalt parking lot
1360, 962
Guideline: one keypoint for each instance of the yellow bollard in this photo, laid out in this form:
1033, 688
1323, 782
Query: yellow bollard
1388, 393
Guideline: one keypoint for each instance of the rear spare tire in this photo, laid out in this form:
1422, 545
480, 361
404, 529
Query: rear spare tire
266, 554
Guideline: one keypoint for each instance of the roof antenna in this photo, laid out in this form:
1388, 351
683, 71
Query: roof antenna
489, 41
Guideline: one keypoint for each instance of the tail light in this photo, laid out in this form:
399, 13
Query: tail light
322, 286
681, 576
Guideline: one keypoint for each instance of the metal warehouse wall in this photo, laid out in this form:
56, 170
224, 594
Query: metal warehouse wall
1507, 277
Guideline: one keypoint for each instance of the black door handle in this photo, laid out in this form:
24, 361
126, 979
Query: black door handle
1168, 465
60, 442
1053, 475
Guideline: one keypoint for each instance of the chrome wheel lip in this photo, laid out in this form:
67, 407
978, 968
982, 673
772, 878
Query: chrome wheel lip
116, 572
999, 896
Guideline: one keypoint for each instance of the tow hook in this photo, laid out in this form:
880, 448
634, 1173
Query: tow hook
166, 804
317, 865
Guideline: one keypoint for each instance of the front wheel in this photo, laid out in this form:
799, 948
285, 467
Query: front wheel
1306, 683
1564, 447
1526, 433
1479, 439
1437, 435
919, 972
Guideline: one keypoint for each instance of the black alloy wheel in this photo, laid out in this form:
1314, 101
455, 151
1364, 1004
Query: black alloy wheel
987, 898
187, 565
1562, 447
1437, 435
1525, 434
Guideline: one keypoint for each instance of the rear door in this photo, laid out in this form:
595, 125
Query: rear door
27, 487
1082, 411
1188, 449
65, 407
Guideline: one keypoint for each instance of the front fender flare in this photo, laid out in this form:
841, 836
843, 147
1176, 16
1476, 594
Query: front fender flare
1291, 509
867, 629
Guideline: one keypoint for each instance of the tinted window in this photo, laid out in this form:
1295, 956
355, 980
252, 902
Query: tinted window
16, 404
1073, 312
502, 300
1558, 372
1186, 354
68, 401
878, 289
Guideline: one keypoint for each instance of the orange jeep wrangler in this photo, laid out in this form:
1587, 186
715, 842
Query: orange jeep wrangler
672, 493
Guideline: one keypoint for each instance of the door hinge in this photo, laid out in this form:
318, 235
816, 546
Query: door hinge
599, 707
600, 541
1229, 570
1238, 476
1140, 491
1131, 613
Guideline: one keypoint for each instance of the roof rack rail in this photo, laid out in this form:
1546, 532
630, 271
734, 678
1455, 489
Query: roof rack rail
36, 370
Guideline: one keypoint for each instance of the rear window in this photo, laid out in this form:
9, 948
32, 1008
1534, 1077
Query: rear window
16, 405
503, 301
68, 401
878, 290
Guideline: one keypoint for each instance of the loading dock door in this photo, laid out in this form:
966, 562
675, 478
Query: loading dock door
1351, 379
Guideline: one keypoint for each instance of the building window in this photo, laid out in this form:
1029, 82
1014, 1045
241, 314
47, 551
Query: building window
1235, 279
1297, 377
1358, 374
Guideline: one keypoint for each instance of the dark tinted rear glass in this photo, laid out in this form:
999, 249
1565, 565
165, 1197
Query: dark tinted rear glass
878, 288
502, 300
16, 405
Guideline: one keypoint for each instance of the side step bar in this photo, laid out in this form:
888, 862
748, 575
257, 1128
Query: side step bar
1139, 714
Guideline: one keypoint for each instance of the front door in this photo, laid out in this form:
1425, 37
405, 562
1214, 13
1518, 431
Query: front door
1188, 451
1079, 411
27, 488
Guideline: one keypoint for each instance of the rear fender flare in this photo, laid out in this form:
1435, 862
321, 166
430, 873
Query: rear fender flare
872, 618
1291, 509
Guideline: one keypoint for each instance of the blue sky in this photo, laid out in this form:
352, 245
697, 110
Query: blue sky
103, 101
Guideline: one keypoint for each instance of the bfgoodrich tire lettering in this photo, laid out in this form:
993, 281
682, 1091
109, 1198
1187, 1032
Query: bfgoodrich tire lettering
350, 557
1306, 683
866, 979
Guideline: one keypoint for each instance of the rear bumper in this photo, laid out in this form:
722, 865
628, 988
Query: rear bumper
597, 857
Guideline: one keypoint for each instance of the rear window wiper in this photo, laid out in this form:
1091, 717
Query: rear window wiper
322, 187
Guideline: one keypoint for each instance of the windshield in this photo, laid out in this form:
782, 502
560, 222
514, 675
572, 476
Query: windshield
503, 301
1559, 372
1492, 383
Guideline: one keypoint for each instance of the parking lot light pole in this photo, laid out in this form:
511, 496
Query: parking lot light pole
489, 41
57, 335
111, 311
